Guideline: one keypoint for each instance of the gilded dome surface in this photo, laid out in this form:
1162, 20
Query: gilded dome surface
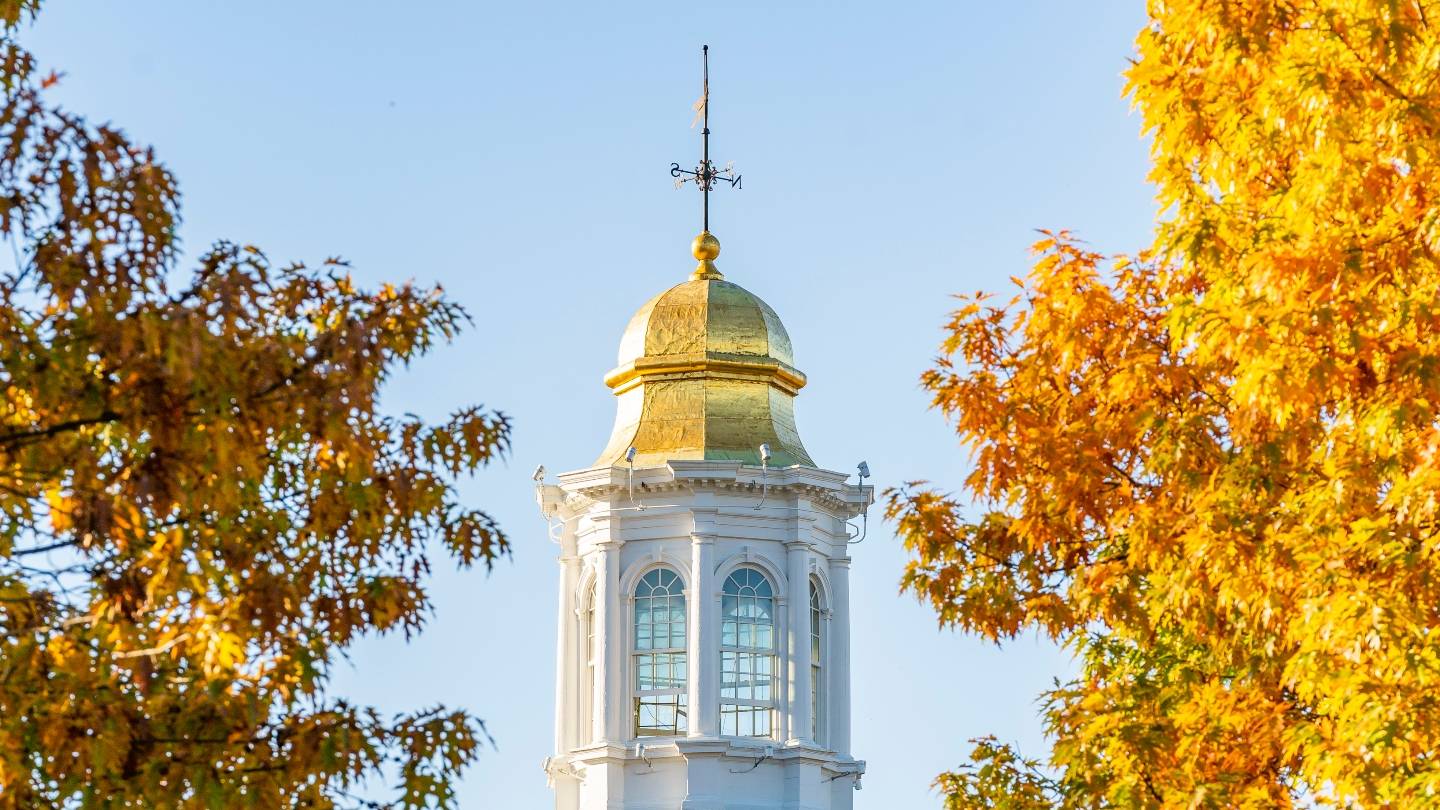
710, 316
706, 371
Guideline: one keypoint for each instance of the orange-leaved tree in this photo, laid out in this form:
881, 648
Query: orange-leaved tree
1211, 469
201, 504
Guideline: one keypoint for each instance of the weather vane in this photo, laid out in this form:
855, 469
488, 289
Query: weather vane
705, 174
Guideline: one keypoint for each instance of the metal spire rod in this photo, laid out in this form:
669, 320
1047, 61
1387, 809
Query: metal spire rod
705, 132
705, 174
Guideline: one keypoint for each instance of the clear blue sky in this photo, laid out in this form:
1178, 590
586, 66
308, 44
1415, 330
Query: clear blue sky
518, 153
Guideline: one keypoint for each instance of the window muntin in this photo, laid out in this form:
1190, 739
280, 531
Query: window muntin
659, 655
816, 662
747, 655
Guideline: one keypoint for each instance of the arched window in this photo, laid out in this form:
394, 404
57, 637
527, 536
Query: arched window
817, 681
659, 655
747, 655
587, 654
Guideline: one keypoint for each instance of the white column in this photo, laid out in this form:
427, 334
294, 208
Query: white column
617, 708
566, 675
839, 663
565, 640
797, 559
704, 643
607, 639
781, 731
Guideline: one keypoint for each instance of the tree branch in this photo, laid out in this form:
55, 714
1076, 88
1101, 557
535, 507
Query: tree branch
153, 650
23, 436
42, 549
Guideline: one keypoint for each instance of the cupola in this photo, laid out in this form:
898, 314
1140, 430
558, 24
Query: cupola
705, 371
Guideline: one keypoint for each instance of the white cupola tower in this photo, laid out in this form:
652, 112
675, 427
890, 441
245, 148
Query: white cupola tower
703, 656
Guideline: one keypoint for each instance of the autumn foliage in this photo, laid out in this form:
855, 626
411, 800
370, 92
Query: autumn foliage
201, 503
1211, 468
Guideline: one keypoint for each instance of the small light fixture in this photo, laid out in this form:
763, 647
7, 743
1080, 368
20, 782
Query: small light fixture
767, 753
864, 470
764, 475
630, 478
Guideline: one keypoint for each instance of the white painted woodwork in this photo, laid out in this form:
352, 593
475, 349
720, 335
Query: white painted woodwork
700, 519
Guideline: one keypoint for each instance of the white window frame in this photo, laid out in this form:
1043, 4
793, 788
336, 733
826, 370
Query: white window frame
817, 640
670, 656
753, 654
589, 664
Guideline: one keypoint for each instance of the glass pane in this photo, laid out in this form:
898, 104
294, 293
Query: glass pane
729, 675
659, 716
747, 676
814, 623
657, 671
747, 611
761, 678
747, 664
745, 721
815, 703
659, 611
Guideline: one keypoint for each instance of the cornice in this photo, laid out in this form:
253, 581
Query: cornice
609, 487
717, 365
661, 749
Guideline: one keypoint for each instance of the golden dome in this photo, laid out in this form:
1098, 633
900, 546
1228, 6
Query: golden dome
705, 371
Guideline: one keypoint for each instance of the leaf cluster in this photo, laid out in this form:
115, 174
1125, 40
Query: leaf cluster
202, 502
1211, 468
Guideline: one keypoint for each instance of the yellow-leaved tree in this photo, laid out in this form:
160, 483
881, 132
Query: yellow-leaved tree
201, 504
1211, 469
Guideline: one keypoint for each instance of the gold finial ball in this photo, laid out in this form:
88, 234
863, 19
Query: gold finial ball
705, 247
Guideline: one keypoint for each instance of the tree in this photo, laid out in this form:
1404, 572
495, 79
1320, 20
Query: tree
1211, 469
201, 503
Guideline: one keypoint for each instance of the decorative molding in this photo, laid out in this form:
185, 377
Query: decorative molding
583, 583
594, 490
655, 558
821, 573
775, 571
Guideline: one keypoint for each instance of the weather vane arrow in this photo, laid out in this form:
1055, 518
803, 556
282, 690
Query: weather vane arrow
705, 175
